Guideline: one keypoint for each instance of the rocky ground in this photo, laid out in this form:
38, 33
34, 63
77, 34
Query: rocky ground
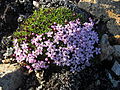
104, 75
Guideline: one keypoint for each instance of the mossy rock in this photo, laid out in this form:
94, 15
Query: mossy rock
42, 19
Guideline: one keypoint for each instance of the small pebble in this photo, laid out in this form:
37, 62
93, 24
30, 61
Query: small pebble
1, 88
36, 4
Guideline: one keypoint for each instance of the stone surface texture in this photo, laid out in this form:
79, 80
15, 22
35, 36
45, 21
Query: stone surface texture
106, 49
116, 68
109, 10
117, 50
11, 76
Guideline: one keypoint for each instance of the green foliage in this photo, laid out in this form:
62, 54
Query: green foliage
42, 19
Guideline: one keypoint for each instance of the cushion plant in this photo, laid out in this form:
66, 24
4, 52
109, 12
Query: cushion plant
55, 36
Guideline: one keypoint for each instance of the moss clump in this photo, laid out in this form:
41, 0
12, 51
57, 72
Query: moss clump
42, 19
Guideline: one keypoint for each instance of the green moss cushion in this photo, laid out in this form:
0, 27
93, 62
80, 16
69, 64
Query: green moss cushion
42, 19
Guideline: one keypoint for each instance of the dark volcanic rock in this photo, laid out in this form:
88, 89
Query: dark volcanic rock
9, 13
11, 76
10, 17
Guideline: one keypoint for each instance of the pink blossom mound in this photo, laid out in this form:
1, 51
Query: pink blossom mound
71, 45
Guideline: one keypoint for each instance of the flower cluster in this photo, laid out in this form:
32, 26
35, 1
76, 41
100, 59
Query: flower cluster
71, 45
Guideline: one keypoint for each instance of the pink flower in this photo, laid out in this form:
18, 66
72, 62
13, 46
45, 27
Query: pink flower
49, 34
18, 52
34, 40
28, 67
24, 45
47, 42
32, 60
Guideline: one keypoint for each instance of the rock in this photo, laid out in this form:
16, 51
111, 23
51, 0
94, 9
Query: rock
6, 61
0, 57
108, 10
117, 50
11, 76
1, 88
1, 54
6, 41
113, 28
39, 88
10, 16
113, 81
42, 2
39, 75
57, 81
49, 5
36, 4
20, 18
30, 83
98, 82
117, 39
5, 44
9, 52
31, 88
22, 1
116, 68
106, 49
9, 13
53, 3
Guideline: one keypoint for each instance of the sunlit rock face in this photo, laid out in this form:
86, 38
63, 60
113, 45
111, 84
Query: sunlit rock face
90, 1
108, 10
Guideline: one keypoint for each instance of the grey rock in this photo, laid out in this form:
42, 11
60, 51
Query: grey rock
1, 55
5, 42
104, 11
31, 88
39, 88
48, 5
113, 27
44, 2
9, 52
48, 0
117, 50
98, 82
19, 88
9, 15
23, 1
11, 77
36, 4
1, 88
113, 81
106, 49
21, 18
56, 80
110, 58
28, 7
116, 68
